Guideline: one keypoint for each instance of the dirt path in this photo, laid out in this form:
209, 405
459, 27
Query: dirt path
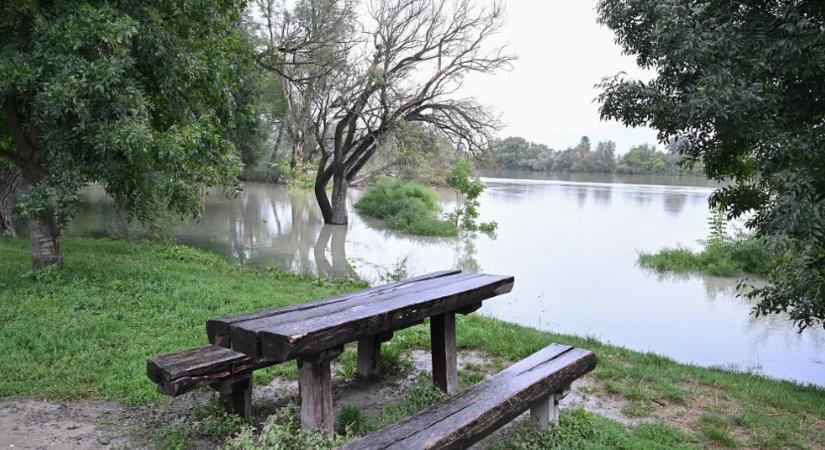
36, 424
39, 424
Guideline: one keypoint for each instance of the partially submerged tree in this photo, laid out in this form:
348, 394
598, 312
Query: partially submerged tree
136, 96
740, 85
408, 69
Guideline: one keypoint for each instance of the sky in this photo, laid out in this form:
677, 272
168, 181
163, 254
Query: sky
548, 96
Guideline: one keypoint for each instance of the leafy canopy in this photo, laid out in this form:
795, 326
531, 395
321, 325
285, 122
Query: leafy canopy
738, 86
137, 96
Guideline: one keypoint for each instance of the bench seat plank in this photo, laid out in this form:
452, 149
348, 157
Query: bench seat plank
180, 372
462, 420
309, 331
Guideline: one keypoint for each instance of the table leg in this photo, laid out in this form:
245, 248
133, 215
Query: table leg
315, 387
445, 362
369, 357
236, 395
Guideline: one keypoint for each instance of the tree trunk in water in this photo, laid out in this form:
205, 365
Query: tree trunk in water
45, 236
10, 183
321, 192
339, 198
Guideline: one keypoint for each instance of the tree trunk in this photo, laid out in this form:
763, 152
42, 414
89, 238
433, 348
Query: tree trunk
321, 191
339, 198
45, 236
297, 156
10, 183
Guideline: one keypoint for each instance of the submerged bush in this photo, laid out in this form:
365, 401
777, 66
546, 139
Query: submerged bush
406, 207
389, 197
731, 257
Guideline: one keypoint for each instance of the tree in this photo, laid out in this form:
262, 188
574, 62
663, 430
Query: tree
136, 96
10, 183
406, 70
739, 84
307, 46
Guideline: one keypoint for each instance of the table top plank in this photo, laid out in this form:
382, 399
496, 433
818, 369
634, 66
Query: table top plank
307, 331
218, 329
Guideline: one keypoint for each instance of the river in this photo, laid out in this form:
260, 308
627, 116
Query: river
570, 241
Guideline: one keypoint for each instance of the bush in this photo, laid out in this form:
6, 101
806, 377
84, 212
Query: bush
731, 257
388, 198
406, 207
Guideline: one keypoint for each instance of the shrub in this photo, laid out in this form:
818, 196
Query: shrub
389, 197
742, 253
406, 207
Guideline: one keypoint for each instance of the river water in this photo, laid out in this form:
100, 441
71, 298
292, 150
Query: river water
570, 241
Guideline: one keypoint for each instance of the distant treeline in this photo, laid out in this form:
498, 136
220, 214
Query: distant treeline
517, 153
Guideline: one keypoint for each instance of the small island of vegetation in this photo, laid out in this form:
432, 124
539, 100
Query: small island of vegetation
723, 254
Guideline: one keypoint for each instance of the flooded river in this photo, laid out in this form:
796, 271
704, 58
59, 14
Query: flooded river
571, 241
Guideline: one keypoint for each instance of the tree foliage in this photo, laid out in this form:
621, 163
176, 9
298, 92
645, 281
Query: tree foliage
468, 187
136, 96
519, 154
740, 85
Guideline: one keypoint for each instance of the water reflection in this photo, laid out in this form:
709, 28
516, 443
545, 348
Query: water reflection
572, 244
334, 238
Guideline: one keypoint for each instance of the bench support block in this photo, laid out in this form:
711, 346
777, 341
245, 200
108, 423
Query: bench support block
445, 359
315, 386
369, 357
545, 411
236, 395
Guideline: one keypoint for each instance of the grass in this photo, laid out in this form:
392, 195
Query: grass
406, 207
85, 331
727, 258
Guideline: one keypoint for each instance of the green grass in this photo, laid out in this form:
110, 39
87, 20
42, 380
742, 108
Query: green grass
579, 429
406, 207
85, 331
743, 254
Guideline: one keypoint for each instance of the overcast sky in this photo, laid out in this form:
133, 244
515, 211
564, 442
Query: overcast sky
549, 95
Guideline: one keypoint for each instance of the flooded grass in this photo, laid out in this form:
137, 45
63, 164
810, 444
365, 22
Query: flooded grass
84, 331
744, 254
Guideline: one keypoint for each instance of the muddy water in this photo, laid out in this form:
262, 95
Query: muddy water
571, 242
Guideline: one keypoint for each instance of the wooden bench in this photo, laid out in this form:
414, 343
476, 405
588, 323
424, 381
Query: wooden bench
536, 383
314, 333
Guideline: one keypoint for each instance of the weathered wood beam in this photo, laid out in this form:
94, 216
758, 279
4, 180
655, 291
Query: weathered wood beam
236, 395
180, 372
315, 387
468, 417
285, 340
444, 353
369, 357
217, 330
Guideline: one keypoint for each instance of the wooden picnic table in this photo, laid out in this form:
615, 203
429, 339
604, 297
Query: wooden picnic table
314, 333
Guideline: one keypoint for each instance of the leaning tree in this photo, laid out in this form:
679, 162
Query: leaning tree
404, 64
135, 96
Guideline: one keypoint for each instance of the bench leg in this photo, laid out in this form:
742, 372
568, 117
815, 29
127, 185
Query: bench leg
544, 412
236, 395
369, 357
445, 361
315, 386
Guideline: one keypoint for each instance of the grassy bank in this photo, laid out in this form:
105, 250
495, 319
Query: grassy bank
86, 330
